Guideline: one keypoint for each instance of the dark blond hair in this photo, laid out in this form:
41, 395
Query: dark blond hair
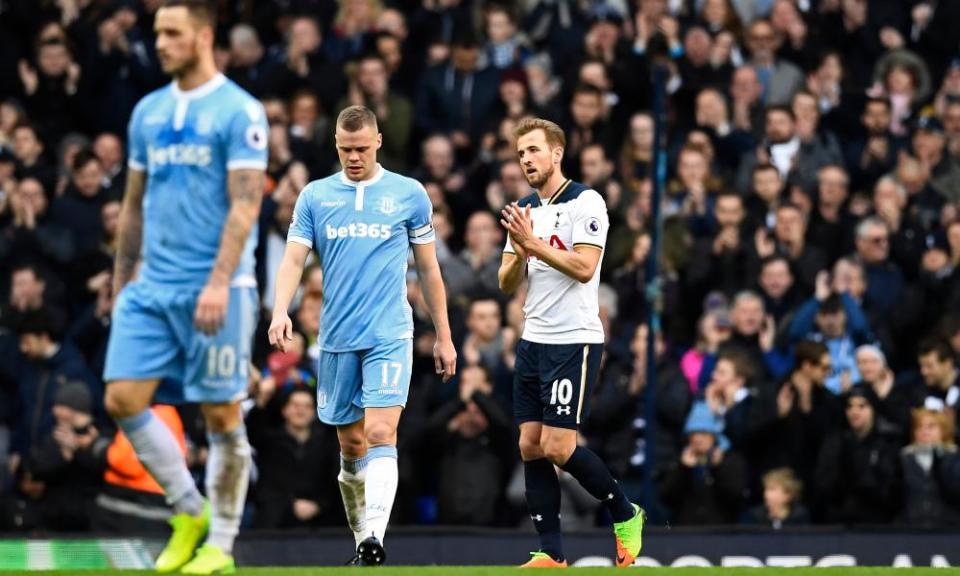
918, 415
784, 478
353, 118
204, 11
554, 134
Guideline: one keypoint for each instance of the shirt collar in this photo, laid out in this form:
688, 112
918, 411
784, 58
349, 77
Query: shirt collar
373, 179
202, 90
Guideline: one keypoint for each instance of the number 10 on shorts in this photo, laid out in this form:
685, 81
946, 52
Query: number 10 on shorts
562, 391
221, 361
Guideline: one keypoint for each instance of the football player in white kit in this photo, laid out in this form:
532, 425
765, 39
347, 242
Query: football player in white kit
556, 239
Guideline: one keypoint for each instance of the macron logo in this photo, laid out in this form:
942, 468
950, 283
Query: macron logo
179, 155
359, 230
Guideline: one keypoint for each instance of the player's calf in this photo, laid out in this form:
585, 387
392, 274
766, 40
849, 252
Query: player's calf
158, 450
380, 489
352, 480
593, 475
543, 503
228, 474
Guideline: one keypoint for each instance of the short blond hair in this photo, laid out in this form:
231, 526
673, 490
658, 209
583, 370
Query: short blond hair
785, 479
353, 118
918, 415
554, 134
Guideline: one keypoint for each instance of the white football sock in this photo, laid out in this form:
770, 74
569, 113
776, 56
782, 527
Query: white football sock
380, 489
352, 475
228, 474
159, 452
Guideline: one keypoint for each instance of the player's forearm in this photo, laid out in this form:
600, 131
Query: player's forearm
129, 236
511, 273
288, 280
436, 298
572, 264
236, 231
129, 231
246, 194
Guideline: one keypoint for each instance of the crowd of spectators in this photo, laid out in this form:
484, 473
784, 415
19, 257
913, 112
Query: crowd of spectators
806, 361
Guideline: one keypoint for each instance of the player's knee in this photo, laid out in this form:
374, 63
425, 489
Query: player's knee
380, 434
530, 448
353, 447
556, 450
221, 418
119, 404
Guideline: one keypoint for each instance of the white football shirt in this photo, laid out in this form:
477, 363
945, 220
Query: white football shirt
560, 309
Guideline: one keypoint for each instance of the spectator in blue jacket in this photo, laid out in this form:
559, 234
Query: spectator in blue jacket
837, 321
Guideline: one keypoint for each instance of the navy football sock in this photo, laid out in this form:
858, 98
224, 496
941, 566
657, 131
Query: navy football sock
543, 501
593, 475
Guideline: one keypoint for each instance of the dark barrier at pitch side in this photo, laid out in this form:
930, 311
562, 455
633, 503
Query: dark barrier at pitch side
662, 547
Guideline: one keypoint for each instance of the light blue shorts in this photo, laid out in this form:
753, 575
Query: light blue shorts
153, 336
348, 382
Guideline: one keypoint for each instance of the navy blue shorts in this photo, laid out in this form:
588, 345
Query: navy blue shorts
552, 382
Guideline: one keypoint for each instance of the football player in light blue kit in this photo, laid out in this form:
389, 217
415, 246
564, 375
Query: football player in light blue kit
362, 222
198, 151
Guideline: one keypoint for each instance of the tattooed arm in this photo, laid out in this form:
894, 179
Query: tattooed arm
130, 230
246, 193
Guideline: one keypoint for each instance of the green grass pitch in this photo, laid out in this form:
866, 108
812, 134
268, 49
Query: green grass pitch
502, 571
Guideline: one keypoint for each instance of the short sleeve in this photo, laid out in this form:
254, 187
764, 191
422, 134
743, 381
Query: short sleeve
301, 226
136, 143
508, 247
247, 138
420, 223
591, 223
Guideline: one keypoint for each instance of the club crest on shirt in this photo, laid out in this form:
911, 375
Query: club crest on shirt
592, 226
387, 205
204, 123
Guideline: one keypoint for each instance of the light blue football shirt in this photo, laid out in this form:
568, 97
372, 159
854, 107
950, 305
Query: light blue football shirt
186, 142
362, 233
